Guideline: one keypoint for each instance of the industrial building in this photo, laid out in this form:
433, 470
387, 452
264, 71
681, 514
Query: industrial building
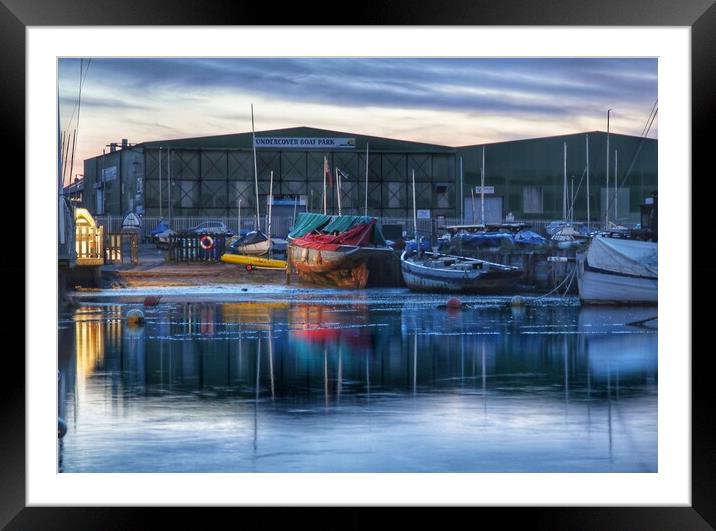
526, 177
212, 177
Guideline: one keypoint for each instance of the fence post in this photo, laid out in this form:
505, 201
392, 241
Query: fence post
134, 252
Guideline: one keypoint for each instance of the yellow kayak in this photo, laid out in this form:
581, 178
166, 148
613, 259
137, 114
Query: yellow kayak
253, 261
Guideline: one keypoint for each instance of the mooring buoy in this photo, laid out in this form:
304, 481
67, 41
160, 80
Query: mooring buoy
454, 304
152, 300
135, 317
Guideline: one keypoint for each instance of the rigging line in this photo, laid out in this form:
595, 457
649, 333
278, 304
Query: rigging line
573, 272
641, 144
79, 108
653, 107
82, 80
650, 122
579, 185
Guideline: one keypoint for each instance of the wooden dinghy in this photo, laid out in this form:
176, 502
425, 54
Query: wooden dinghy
430, 271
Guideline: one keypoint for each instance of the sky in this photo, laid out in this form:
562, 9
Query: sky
446, 101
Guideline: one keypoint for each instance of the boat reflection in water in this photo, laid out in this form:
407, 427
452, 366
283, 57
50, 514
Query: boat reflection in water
358, 387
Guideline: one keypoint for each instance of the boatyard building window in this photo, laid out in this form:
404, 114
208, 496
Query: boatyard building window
394, 192
532, 200
442, 195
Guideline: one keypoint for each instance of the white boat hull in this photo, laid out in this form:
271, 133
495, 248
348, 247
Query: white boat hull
603, 287
254, 249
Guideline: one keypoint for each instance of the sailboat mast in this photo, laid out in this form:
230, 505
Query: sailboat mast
472, 193
169, 182
606, 220
256, 173
268, 223
482, 189
616, 190
366, 178
72, 157
60, 183
66, 158
564, 186
462, 195
415, 215
325, 201
160, 183
338, 188
588, 213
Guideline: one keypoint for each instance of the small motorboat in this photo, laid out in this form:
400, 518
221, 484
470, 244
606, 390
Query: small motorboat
254, 243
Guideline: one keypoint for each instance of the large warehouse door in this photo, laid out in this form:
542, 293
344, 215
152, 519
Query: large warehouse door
493, 210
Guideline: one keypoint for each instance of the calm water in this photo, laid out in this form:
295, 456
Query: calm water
384, 384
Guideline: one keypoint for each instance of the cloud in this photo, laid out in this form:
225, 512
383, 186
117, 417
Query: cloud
499, 85
449, 101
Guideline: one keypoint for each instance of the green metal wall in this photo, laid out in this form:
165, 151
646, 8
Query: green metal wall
120, 192
209, 182
210, 175
511, 166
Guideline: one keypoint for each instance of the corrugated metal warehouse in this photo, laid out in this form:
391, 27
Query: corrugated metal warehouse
526, 177
210, 175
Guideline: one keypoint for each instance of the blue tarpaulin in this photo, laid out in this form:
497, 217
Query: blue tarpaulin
484, 239
161, 227
528, 237
424, 245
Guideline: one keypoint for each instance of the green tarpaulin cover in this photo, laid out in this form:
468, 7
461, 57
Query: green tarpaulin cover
308, 222
343, 223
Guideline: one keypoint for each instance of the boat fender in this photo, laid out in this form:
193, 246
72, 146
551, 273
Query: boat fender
454, 304
152, 300
517, 301
206, 242
61, 428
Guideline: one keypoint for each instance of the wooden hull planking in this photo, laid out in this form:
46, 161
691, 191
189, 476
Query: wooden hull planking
419, 277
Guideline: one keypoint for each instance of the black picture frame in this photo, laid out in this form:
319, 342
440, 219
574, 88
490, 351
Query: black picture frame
699, 15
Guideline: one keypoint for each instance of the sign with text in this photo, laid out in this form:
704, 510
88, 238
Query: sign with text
423, 213
488, 189
109, 174
286, 142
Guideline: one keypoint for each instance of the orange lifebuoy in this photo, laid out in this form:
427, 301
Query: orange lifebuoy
206, 242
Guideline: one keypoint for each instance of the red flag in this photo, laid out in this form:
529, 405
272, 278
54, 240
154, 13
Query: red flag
327, 171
